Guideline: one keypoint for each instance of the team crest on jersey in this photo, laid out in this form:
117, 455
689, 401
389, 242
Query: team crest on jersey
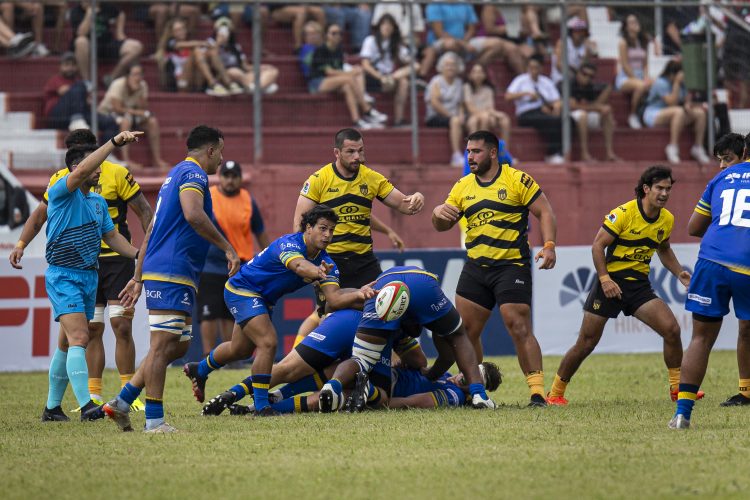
363, 189
502, 194
660, 234
612, 218
306, 187
597, 304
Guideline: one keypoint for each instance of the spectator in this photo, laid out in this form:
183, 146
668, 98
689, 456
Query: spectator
14, 207
400, 14
537, 104
239, 13
355, 18
668, 104
15, 44
34, 13
228, 53
296, 15
161, 12
185, 63
735, 62
479, 100
590, 110
385, 60
444, 98
313, 38
66, 103
327, 74
675, 20
580, 48
452, 27
632, 66
126, 101
493, 25
111, 42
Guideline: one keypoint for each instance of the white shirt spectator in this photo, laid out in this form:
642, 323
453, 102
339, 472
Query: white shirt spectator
118, 89
543, 87
384, 63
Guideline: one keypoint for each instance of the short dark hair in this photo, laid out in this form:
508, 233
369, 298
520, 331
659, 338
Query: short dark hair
747, 144
492, 376
76, 154
312, 216
538, 58
672, 68
80, 137
588, 65
730, 143
651, 176
203, 135
484, 135
346, 134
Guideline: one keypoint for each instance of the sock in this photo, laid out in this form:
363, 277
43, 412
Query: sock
154, 412
127, 395
374, 397
95, 388
745, 387
336, 386
478, 389
58, 379
674, 378
243, 388
311, 383
686, 399
535, 381
78, 374
125, 378
208, 365
260, 390
558, 387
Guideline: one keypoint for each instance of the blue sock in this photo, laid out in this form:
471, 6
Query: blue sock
336, 385
128, 393
296, 404
686, 399
154, 412
58, 379
260, 390
208, 365
243, 388
311, 383
78, 374
478, 389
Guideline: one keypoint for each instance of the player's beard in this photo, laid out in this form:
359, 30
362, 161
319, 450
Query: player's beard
483, 167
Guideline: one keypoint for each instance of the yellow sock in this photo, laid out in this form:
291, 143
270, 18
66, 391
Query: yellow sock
674, 378
95, 387
125, 378
558, 387
745, 387
535, 381
299, 338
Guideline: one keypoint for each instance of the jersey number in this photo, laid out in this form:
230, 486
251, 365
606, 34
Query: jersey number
156, 211
741, 205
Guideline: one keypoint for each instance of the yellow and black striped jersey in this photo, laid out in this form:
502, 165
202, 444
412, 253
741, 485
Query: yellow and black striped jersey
636, 239
117, 186
351, 199
497, 216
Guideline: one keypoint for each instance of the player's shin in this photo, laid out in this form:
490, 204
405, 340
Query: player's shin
58, 379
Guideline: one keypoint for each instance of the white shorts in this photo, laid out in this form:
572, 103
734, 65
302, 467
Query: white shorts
594, 118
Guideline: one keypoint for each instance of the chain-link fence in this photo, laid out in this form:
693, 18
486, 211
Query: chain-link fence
280, 78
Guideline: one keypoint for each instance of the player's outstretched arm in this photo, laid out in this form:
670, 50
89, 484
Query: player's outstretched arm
602, 240
698, 224
424, 400
119, 244
142, 209
408, 205
542, 210
669, 259
445, 216
30, 229
381, 227
347, 298
89, 164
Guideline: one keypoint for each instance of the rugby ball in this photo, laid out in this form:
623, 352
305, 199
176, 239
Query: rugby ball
392, 301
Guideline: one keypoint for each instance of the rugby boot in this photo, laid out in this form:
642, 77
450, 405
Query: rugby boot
679, 422
268, 411
480, 403
219, 403
241, 409
736, 400
138, 405
162, 428
120, 417
91, 411
357, 400
537, 401
54, 415
199, 383
556, 400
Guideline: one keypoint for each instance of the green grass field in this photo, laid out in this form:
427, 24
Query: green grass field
612, 441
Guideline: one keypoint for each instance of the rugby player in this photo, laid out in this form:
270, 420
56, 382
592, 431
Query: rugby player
496, 200
172, 256
622, 252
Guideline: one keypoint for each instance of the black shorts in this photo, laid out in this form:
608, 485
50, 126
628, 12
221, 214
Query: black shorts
357, 270
114, 273
488, 286
635, 293
210, 298
439, 121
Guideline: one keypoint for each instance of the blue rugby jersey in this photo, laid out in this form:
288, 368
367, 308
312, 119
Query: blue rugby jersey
75, 224
176, 253
726, 201
408, 382
268, 276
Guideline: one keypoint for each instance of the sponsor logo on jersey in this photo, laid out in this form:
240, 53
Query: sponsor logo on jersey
317, 336
612, 218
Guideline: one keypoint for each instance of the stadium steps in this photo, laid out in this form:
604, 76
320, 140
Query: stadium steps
23, 147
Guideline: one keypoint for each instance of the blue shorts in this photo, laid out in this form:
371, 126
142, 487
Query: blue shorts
427, 302
244, 304
331, 340
71, 290
711, 288
169, 296
314, 84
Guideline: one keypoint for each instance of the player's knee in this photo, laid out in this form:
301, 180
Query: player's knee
518, 328
78, 338
81, 42
672, 333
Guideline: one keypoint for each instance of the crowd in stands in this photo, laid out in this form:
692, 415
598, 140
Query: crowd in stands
362, 52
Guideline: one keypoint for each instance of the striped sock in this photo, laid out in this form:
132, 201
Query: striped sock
154, 412
78, 374
243, 388
58, 379
260, 390
374, 395
296, 404
686, 399
311, 383
207, 365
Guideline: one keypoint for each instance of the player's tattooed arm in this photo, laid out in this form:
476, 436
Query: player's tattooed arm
142, 209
